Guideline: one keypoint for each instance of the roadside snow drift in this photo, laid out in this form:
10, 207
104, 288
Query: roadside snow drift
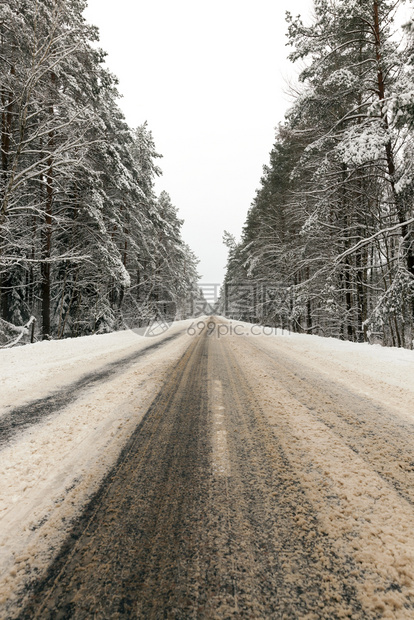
49, 471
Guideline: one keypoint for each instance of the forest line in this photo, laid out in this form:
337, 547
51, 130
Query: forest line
328, 243
86, 245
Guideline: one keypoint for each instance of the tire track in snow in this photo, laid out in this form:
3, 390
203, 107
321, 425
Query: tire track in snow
359, 510
374, 432
21, 418
137, 536
279, 562
186, 526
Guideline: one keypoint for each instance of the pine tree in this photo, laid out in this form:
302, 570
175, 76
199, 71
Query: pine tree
79, 216
331, 224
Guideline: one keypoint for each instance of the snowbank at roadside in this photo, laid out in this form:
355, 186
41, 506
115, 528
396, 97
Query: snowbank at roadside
49, 471
35, 370
384, 374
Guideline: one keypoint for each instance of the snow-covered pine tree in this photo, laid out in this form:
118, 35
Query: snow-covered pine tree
338, 234
79, 217
46, 133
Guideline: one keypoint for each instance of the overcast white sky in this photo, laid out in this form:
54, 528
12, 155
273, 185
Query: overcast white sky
210, 79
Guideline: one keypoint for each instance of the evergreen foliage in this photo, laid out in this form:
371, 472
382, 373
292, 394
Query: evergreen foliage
328, 244
86, 246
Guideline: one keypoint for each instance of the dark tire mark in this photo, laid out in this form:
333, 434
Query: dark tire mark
282, 565
21, 418
383, 440
127, 556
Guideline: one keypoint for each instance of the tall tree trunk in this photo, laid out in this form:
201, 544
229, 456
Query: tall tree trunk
6, 129
46, 255
405, 232
348, 301
47, 232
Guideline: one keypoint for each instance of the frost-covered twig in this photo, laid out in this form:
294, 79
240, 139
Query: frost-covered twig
365, 242
21, 330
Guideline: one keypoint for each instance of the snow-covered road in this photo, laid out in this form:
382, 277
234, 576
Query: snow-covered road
50, 469
330, 427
